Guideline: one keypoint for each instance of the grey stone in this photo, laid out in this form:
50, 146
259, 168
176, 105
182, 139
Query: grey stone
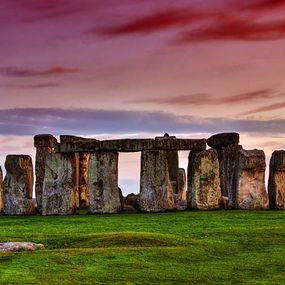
1, 191
228, 160
60, 192
223, 139
44, 144
103, 187
276, 183
180, 196
16, 246
132, 200
173, 162
18, 185
83, 179
156, 190
204, 190
249, 192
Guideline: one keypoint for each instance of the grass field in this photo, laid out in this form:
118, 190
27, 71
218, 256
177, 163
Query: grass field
218, 247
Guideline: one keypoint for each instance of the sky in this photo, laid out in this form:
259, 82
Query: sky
118, 69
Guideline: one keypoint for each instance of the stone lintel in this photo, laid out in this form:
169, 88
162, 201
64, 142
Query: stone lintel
131, 145
44, 140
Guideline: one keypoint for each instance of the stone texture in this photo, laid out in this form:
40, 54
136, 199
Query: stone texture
276, 183
156, 190
60, 192
130, 145
83, 179
18, 185
180, 196
1, 191
204, 190
223, 139
15, 246
103, 183
173, 162
228, 160
132, 200
249, 188
44, 144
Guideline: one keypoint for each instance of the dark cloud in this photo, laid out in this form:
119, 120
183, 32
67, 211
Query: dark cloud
24, 72
264, 4
207, 99
31, 121
266, 108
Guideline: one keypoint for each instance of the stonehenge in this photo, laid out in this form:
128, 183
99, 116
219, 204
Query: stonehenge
276, 183
80, 172
18, 185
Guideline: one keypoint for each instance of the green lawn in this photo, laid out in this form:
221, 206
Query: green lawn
218, 247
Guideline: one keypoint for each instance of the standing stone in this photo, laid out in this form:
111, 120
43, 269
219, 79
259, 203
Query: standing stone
18, 185
60, 192
249, 192
276, 184
103, 187
223, 139
228, 160
83, 179
156, 190
44, 144
204, 190
180, 196
1, 191
173, 162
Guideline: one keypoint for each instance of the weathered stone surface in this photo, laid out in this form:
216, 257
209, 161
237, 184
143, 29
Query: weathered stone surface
45, 144
132, 200
204, 190
60, 192
223, 139
15, 246
249, 191
228, 160
83, 179
276, 183
173, 162
156, 191
103, 187
71, 144
180, 196
224, 202
18, 185
1, 191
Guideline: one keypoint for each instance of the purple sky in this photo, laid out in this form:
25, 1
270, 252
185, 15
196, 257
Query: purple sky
140, 68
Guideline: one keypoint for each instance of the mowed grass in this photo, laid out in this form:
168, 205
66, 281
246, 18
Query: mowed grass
217, 247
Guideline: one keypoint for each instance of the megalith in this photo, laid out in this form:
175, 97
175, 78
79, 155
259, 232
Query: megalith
249, 190
104, 193
227, 146
1, 191
60, 191
180, 196
44, 144
276, 183
204, 189
18, 185
83, 179
156, 189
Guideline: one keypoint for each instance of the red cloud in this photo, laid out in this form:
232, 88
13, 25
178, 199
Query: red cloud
155, 22
266, 108
22, 72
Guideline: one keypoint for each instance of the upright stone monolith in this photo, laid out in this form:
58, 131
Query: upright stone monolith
1, 191
44, 144
276, 183
18, 185
103, 187
60, 187
249, 192
83, 179
156, 189
180, 196
204, 190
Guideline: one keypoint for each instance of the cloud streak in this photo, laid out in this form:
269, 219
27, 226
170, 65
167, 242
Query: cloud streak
207, 99
24, 72
266, 108
31, 121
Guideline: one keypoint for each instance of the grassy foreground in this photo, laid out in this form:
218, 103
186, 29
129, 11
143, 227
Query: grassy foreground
219, 247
